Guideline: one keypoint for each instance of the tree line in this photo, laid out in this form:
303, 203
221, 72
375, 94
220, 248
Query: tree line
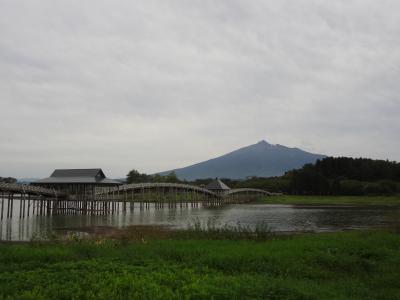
334, 176
8, 179
135, 176
346, 176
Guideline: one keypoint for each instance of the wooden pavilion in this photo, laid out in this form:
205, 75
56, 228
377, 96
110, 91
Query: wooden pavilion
78, 183
217, 186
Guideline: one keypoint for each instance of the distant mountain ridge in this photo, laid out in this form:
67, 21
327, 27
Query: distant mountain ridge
27, 180
261, 159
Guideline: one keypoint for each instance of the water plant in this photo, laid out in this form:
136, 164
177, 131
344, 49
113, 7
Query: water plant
212, 229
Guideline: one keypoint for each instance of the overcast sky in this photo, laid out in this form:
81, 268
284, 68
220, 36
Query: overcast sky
155, 85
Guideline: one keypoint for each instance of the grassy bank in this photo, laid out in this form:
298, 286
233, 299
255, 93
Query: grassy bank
332, 200
351, 265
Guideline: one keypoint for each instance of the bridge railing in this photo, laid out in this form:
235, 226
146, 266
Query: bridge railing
139, 186
29, 189
245, 190
36, 190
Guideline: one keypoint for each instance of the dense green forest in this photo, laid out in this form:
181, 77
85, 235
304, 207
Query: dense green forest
334, 176
329, 176
346, 176
135, 177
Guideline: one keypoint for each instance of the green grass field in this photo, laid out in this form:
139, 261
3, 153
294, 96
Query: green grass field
332, 200
351, 265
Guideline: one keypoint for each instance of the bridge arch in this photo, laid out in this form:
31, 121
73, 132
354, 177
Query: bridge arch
247, 190
244, 195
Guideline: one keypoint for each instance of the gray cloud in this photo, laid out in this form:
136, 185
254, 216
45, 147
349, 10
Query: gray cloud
155, 85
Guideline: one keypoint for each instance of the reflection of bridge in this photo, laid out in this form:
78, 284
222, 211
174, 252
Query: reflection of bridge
105, 200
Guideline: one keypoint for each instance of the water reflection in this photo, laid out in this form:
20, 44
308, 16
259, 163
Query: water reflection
278, 217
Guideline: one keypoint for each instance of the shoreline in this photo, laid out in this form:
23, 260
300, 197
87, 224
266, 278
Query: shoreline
139, 233
311, 200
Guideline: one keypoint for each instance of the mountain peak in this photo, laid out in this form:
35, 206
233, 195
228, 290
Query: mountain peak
261, 159
263, 144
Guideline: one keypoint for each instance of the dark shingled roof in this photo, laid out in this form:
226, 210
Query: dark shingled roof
87, 176
217, 185
78, 173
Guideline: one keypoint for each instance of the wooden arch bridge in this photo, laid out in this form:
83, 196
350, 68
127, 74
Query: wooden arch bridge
35, 200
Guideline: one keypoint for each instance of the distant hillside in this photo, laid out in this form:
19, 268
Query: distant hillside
27, 180
261, 159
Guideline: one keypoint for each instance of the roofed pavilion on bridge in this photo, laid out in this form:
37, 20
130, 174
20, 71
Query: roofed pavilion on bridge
217, 186
77, 181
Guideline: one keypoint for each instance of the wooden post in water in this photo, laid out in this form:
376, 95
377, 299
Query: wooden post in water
148, 196
112, 202
23, 210
132, 203
40, 208
125, 200
8, 205
12, 205
48, 207
29, 204
2, 204
20, 206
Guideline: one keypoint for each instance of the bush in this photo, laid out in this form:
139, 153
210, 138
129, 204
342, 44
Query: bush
351, 187
385, 187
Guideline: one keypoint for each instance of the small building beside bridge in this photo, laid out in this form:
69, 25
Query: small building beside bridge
79, 182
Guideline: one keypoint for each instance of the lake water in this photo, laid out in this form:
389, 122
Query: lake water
279, 218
